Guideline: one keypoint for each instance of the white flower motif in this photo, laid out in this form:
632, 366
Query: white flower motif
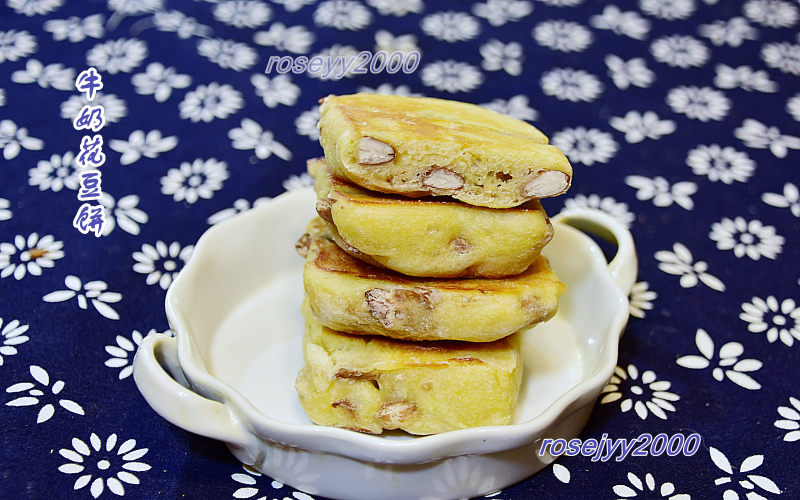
790, 421
306, 123
334, 52
771, 13
387, 42
640, 299
790, 198
5, 213
41, 380
295, 39
666, 490
397, 8
617, 210
342, 15
699, 103
747, 238
793, 107
720, 164
638, 127
228, 53
12, 335
57, 172
161, 263
239, 206
451, 76
34, 7
276, 90
125, 347
562, 3
516, 107
451, 26
114, 108
626, 73
774, 317
679, 263
564, 36
249, 482
195, 180
76, 29
2, 97
389, 89
114, 56
743, 77
630, 23
648, 394
111, 469
138, 144
587, 146
733, 32
575, 85
727, 362
16, 45
52, 75
123, 212
752, 480
159, 81
14, 139
755, 134
294, 5
661, 192
29, 254
500, 12
242, 13
297, 182
502, 56
92, 290
561, 473
208, 102
668, 9
178, 22
134, 7
680, 51
251, 136
782, 56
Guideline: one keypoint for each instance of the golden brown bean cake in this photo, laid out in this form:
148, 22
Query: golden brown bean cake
369, 384
429, 237
349, 295
420, 146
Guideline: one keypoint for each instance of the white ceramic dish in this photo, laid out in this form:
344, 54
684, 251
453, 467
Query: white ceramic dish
229, 371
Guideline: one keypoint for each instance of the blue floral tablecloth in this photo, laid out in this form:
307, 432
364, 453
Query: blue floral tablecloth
681, 119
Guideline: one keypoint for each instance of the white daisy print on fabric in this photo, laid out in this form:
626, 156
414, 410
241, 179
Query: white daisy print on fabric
726, 362
640, 126
564, 36
783, 56
586, 146
161, 262
561, 473
242, 13
134, 7
343, 52
630, 23
94, 291
174, 21
76, 29
755, 134
228, 53
790, 198
115, 56
743, 77
195, 180
387, 42
748, 482
790, 420
516, 107
158, 81
52, 75
451, 76
733, 32
306, 123
645, 396
781, 320
239, 206
16, 45
109, 465
247, 486
276, 90
114, 108
124, 213
680, 51
502, 56
296, 39
208, 102
451, 26
5, 212
626, 73
397, 8
34, 7
298, 182
36, 395
2, 97
567, 84
29, 255
12, 336
616, 210
562, 3
500, 12
139, 144
640, 299
54, 174
668, 9
750, 238
123, 351
699, 103
342, 15
725, 165
389, 89
14, 139
251, 136
679, 262
294, 5
647, 488
793, 107
771, 13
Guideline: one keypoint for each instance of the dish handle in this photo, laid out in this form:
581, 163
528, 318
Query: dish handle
623, 267
158, 375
